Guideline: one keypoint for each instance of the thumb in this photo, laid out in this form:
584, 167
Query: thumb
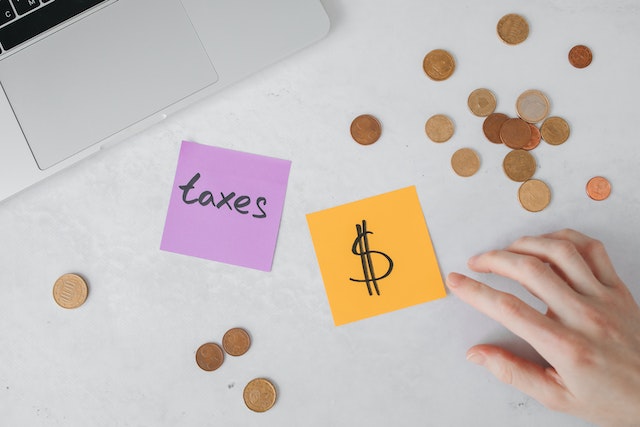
543, 384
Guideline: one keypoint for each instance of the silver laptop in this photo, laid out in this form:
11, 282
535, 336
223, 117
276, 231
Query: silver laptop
78, 74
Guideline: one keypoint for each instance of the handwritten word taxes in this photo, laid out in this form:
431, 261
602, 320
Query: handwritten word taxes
244, 205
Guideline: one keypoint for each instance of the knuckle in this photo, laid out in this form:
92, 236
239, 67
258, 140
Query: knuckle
566, 250
509, 305
532, 266
595, 247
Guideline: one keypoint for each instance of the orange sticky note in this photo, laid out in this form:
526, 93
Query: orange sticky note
375, 255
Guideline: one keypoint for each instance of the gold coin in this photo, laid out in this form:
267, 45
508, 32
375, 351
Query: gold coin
70, 291
555, 130
532, 106
439, 64
209, 356
515, 133
439, 128
598, 188
519, 165
534, 195
580, 56
491, 126
366, 129
236, 341
465, 162
513, 29
482, 102
259, 395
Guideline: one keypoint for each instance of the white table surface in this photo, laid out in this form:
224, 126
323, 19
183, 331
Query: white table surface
126, 358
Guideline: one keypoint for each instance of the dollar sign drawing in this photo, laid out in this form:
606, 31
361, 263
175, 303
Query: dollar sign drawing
361, 248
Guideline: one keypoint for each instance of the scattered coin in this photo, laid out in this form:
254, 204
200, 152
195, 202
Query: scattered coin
535, 138
209, 356
439, 128
580, 56
439, 64
515, 133
259, 395
555, 130
534, 195
465, 162
366, 129
70, 291
236, 341
491, 126
519, 165
532, 106
513, 29
482, 102
598, 188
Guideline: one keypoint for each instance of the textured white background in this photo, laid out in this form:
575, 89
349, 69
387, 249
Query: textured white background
126, 358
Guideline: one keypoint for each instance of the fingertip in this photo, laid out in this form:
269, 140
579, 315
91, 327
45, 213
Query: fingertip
454, 280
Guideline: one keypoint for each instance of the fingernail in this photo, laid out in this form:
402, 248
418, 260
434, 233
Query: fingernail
477, 358
472, 260
453, 280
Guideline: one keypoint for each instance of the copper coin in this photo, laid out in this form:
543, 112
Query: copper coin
534, 195
519, 165
598, 188
580, 56
465, 162
532, 106
366, 129
70, 291
535, 138
515, 133
555, 130
439, 64
209, 356
482, 102
236, 341
491, 126
439, 128
513, 29
259, 395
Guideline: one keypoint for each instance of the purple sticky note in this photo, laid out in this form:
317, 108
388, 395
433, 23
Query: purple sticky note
226, 206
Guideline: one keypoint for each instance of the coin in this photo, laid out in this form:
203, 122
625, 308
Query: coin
482, 102
209, 356
534, 195
532, 106
259, 395
513, 29
439, 64
535, 138
515, 133
439, 128
465, 162
366, 129
555, 130
491, 126
580, 56
598, 188
519, 165
70, 291
236, 341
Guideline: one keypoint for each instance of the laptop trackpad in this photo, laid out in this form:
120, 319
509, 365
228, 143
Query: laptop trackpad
115, 70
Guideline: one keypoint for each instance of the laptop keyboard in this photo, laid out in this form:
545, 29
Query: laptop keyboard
22, 20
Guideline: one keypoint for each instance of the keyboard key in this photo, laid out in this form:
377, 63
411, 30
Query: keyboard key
6, 12
24, 6
42, 19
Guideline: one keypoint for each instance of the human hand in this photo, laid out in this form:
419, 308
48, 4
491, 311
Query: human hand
590, 334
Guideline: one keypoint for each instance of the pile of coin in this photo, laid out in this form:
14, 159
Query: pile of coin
259, 394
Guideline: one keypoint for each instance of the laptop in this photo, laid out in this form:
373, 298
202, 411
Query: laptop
78, 75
